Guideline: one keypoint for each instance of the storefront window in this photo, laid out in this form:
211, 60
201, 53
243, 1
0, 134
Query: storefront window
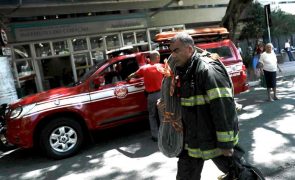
26, 76
82, 63
60, 48
79, 44
167, 29
96, 42
178, 28
55, 72
43, 50
22, 51
112, 41
97, 56
128, 38
153, 33
141, 37
24, 68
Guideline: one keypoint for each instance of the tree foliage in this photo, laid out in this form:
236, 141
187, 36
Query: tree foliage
283, 23
232, 15
255, 27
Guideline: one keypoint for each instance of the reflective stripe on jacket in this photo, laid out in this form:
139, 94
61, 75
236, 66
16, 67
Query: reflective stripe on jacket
208, 108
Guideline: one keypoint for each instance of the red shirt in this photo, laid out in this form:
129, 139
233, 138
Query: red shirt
151, 76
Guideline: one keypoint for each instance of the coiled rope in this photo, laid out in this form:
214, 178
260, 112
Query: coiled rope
170, 140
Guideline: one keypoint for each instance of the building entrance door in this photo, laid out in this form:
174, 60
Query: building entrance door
56, 72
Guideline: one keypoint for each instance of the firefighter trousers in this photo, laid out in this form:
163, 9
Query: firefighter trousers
190, 168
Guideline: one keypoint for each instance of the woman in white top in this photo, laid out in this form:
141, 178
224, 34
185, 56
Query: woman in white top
269, 66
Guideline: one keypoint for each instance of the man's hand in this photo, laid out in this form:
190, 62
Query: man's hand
133, 75
129, 77
227, 152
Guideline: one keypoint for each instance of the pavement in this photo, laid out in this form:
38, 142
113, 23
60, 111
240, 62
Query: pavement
135, 156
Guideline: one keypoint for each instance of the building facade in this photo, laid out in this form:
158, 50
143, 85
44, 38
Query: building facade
53, 43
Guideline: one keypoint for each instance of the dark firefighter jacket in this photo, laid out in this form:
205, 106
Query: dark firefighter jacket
208, 107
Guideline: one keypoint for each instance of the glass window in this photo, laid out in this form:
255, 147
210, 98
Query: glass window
26, 76
112, 41
223, 51
97, 56
96, 42
60, 48
167, 29
153, 33
141, 37
79, 44
56, 72
24, 68
127, 67
128, 38
119, 71
178, 28
43, 50
22, 51
82, 63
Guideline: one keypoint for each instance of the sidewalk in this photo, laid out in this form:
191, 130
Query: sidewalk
288, 69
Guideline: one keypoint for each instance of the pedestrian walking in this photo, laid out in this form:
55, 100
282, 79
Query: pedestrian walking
209, 117
288, 50
268, 65
152, 81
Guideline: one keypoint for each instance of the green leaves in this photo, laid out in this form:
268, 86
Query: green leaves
255, 27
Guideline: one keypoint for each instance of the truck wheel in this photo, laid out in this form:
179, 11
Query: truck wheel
61, 138
4, 145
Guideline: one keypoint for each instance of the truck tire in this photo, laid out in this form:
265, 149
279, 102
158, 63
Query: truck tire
61, 138
4, 145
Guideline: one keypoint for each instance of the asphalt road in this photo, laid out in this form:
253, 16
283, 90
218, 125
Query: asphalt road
267, 133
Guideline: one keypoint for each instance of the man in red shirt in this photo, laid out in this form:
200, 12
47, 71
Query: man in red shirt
152, 80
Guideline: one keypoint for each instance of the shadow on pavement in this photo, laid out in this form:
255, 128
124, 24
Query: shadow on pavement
132, 140
259, 115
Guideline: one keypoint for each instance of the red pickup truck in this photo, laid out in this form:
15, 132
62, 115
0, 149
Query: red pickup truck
213, 40
59, 120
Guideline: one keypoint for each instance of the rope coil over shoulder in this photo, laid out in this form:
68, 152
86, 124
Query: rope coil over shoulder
170, 140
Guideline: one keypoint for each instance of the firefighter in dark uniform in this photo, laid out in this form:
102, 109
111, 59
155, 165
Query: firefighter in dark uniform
208, 110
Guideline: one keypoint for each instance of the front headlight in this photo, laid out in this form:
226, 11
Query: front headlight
21, 111
16, 112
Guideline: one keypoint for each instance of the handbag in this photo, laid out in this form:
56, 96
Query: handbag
262, 81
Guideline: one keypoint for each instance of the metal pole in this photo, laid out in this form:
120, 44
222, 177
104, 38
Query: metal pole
267, 22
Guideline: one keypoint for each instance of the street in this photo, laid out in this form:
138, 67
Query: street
267, 133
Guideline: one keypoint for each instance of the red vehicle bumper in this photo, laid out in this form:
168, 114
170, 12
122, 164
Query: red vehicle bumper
240, 82
20, 133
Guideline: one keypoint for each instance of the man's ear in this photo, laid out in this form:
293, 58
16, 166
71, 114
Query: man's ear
191, 49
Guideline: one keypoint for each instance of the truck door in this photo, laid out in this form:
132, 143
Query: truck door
113, 99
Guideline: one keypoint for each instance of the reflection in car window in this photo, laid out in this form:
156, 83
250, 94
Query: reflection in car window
223, 51
90, 72
119, 71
